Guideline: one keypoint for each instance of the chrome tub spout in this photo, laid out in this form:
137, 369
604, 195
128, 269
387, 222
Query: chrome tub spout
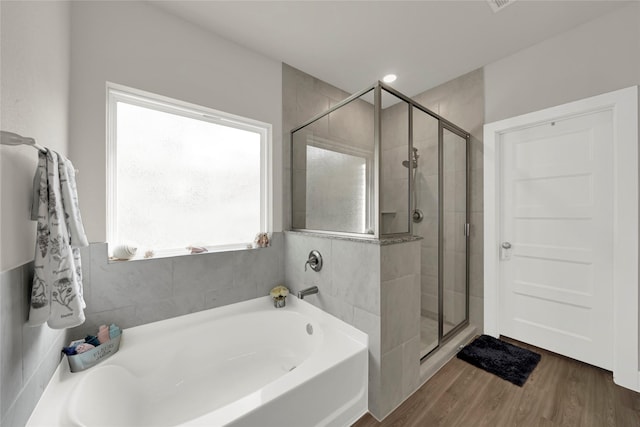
309, 291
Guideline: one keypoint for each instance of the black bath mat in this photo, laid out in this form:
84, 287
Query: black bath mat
509, 362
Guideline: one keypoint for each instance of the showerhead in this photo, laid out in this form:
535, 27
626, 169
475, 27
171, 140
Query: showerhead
414, 160
414, 165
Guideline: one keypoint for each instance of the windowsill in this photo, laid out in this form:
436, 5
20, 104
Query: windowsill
172, 253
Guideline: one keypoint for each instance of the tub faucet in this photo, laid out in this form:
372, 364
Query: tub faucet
309, 291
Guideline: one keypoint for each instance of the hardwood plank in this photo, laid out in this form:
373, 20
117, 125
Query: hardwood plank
626, 407
561, 392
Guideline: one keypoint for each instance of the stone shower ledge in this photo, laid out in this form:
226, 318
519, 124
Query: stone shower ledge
382, 242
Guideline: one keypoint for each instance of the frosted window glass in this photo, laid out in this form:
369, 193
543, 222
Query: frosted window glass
183, 181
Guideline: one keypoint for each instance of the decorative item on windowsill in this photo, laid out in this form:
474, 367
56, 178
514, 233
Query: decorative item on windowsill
197, 249
124, 252
279, 295
261, 240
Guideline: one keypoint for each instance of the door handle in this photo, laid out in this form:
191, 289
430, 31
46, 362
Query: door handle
505, 251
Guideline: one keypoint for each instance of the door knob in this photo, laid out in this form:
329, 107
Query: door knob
505, 251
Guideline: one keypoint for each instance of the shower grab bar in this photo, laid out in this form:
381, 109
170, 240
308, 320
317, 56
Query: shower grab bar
10, 138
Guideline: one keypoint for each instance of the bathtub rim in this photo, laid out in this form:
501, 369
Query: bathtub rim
58, 396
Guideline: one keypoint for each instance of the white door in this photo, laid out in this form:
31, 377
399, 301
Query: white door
556, 280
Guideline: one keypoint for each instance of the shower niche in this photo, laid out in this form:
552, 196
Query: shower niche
380, 166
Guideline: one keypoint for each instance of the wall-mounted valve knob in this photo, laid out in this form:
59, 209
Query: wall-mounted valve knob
314, 261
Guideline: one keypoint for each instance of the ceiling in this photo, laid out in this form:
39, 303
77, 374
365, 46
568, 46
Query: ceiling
351, 44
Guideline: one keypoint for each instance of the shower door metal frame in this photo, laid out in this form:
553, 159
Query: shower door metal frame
377, 196
441, 122
451, 127
376, 218
442, 337
376, 161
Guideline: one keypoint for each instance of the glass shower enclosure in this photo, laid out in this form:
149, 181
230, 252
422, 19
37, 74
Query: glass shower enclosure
379, 165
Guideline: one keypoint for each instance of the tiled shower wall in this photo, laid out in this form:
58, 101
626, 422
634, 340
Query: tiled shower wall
327, 159
394, 180
304, 97
425, 139
460, 101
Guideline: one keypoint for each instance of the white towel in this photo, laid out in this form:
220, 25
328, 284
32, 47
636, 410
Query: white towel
56, 295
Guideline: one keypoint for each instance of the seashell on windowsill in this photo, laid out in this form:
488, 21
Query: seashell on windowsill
125, 251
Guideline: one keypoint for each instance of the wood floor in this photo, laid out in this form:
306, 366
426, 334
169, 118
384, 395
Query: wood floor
559, 392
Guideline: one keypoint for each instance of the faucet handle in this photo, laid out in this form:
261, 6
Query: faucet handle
314, 261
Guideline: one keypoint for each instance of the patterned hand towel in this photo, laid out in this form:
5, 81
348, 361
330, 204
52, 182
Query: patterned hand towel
56, 295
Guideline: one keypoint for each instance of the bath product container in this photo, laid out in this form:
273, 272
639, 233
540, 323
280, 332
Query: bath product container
82, 361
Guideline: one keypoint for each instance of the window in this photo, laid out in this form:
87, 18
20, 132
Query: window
182, 175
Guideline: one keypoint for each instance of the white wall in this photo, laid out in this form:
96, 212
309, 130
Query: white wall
141, 46
34, 100
597, 57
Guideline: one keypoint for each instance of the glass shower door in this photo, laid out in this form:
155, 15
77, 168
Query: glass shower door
454, 264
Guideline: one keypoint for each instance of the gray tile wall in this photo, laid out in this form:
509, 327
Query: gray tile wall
328, 180
394, 177
349, 281
28, 355
131, 293
303, 97
349, 287
375, 288
400, 325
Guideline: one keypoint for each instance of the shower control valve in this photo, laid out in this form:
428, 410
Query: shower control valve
314, 261
417, 215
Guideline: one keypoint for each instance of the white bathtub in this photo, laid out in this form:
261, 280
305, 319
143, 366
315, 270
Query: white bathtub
246, 364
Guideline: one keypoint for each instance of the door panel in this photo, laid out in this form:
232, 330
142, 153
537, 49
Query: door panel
557, 210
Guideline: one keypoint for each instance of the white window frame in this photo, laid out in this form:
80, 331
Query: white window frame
118, 93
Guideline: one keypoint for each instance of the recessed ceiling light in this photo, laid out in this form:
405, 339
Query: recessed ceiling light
389, 78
